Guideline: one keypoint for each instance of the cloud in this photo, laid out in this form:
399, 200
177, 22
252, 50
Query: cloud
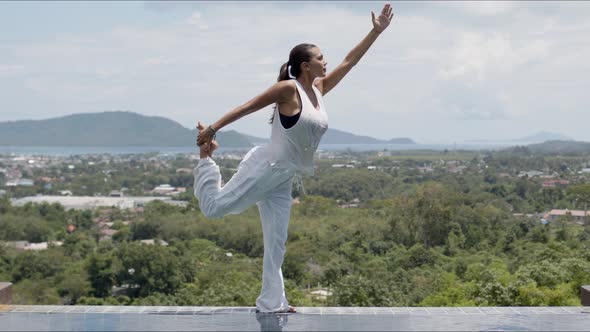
451, 63
158, 61
483, 8
479, 55
168, 6
470, 105
9, 70
196, 20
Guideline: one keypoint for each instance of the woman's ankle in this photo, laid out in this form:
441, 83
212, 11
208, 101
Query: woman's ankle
204, 151
212, 147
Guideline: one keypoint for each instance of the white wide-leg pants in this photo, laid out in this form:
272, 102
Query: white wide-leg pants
260, 182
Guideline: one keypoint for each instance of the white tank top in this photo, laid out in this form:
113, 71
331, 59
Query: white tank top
294, 148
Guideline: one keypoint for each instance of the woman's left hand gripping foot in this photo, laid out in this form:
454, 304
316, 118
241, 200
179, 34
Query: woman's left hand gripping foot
207, 148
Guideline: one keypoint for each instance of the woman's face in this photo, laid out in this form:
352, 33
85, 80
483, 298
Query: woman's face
317, 64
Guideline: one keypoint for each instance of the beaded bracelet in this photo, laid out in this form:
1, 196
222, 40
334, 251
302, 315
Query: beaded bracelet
213, 130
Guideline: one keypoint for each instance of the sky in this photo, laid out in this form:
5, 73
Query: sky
442, 72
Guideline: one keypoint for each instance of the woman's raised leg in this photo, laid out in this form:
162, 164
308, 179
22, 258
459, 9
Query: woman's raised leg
250, 184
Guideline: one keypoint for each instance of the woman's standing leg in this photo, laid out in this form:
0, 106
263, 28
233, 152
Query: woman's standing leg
275, 211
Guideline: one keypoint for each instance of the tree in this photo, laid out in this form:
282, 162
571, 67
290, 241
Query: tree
150, 269
433, 209
4, 204
73, 284
35, 292
37, 265
581, 194
100, 274
455, 239
540, 234
356, 290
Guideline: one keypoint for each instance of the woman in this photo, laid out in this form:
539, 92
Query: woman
265, 175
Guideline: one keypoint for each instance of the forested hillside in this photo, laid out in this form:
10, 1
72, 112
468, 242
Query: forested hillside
434, 229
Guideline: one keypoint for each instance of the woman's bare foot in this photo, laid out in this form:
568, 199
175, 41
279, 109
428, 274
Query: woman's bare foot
204, 151
292, 310
213, 147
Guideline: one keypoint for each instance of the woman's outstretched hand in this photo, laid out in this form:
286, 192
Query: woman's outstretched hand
382, 22
205, 135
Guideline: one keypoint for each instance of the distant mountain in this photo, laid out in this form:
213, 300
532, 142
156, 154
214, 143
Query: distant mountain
118, 128
107, 129
401, 140
335, 136
255, 140
561, 147
543, 136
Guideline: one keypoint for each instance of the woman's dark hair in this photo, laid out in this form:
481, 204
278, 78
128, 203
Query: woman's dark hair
298, 55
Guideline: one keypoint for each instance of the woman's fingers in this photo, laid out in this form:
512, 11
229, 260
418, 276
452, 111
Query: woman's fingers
387, 10
203, 139
202, 135
200, 139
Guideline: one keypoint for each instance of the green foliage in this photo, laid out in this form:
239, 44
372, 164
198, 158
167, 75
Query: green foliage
451, 292
356, 290
150, 268
540, 234
24, 228
35, 292
78, 245
532, 295
37, 265
314, 206
455, 240
73, 284
99, 268
415, 239
350, 184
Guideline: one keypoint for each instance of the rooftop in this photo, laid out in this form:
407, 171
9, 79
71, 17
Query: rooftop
145, 318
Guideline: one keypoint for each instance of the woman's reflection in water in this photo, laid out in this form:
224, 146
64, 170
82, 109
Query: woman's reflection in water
271, 321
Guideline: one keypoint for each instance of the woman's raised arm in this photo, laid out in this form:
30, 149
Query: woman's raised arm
380, 23
277, 93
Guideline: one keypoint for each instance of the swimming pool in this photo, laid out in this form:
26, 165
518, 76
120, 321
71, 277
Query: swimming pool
122, 318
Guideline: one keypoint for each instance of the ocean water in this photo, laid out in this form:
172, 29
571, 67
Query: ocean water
71, 151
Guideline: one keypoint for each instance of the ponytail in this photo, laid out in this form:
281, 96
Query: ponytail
284, 72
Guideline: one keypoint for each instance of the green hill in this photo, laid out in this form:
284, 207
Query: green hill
335, 136
118, 128
555, 147
107, 129
544, 136
561, 147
